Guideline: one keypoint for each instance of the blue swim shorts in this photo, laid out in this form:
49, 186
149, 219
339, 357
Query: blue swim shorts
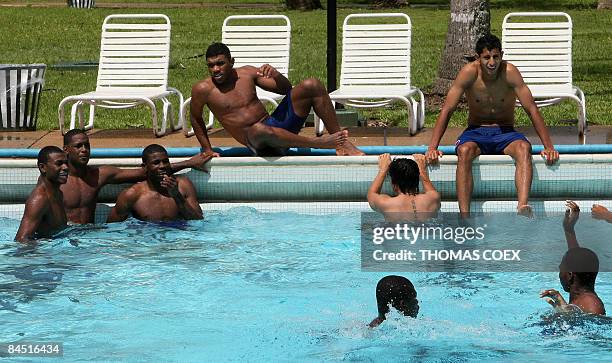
285, 118
492, 140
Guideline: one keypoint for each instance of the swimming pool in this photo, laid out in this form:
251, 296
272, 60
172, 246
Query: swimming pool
246, 285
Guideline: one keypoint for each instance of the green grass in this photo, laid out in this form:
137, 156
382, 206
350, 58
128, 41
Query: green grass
56, 35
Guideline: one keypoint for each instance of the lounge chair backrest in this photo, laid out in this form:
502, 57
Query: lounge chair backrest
539, 44
376, 55
259, 39
134, 53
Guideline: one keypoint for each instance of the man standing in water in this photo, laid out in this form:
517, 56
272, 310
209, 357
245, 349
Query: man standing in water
85, 181
44, 210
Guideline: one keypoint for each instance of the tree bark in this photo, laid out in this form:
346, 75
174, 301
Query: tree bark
469, 20
604, 4
303, 4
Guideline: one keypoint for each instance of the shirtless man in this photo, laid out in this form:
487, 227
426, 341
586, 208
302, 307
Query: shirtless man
491, 86
44, 210
408, 204
85, 182
162, 197
577, 273
231, 95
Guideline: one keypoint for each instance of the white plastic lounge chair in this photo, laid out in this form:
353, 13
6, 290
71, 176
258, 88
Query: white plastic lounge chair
133, 70
542, 51
375, 70
253, 41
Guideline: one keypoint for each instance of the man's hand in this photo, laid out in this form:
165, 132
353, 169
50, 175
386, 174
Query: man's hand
554, 298
600, 212
199, 160
171, 184
551, 156
571, 215
384, 160
421, 161
267, 71
432, 156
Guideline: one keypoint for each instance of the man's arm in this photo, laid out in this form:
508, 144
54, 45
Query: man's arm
572, 213
122, 209
114, 175
376, 200
524, 95
35, 210
272, 80
184, 194
199, 98
195, 162
601, 212
429, 189
466, 77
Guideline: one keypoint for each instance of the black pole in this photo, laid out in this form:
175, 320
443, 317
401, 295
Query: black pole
331, 45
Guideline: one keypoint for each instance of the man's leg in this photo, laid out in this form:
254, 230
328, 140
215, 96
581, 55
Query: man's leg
466, 153
520, 150
262, 136
311, 93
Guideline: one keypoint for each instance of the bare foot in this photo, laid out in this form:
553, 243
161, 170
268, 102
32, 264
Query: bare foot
525, 210
331, 141
346, 148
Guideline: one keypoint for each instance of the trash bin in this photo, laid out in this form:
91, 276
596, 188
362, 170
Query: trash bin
20, 89
83, 4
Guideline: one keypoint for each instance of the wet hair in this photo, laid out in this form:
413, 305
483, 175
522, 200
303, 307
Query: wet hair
216, 49
151, 149
72, 133
404, 174
583, 263
43, 154
489, 42
399, 292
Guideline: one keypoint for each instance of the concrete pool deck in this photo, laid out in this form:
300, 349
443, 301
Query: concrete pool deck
360, 136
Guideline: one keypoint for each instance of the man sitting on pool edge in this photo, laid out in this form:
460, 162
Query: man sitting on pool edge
491, 87
162, 197
230, 93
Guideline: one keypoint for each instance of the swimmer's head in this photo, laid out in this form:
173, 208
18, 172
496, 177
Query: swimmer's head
490, 53
219, 62
579, 266
53, 164
77, 147
404, 175
398, 292
153, 148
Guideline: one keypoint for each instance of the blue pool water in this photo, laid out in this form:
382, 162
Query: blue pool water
249, 286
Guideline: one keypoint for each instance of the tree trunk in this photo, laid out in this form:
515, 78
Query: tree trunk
303, 4
604, 4
469, 20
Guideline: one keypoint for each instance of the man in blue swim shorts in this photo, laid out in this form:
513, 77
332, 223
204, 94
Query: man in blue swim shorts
491, 87
231, 94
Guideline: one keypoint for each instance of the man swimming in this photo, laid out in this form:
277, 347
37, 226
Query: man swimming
85, 181
44, 210
408, 204
577, 272
162, 197
491, 87
398, 292
230, 93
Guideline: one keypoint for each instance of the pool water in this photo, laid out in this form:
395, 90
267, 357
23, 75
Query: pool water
243, 285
